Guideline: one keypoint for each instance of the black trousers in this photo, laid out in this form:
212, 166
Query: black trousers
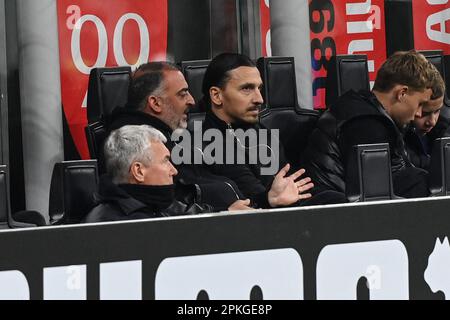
324, 197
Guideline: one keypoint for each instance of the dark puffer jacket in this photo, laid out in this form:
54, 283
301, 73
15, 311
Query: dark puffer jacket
131, 202
356, 118
420, 147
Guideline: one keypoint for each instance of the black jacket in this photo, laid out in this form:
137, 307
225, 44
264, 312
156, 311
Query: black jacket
356, 118
192, 181
420, 147
247, 176
130, 202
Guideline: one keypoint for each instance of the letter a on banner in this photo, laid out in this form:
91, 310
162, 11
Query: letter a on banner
432, 25
95, 34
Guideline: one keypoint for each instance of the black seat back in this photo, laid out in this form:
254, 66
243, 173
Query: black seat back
193, 72
447, 78
4, 198
108, 89
27, 218
96, 134
72, 191
371, 177
280, 85
295, 126
346, 72
281, 110
437, 58
439, 180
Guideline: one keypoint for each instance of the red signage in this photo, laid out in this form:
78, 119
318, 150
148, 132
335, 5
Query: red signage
265, 28
432, 25
104, 33
345, 27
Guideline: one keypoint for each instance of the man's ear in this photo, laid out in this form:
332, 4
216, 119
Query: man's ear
137, 172
216, 95
154, 104
401, 92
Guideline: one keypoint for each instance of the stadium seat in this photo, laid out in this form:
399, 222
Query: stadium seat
447, 78
437, 58
346, 72
108, 89
371, 178
281, 110
194, 72
440, 168
72, 191
96, 135
26, 218
4, 198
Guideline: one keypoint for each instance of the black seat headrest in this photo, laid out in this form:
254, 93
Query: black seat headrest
72, 190
108, 89
346, 72
194, 71
280, 87
439, 180
436, 58
447, 78
441, 62
371, 177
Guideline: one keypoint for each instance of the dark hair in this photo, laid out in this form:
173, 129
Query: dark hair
408, 68
437, 85
217, 74
145, 81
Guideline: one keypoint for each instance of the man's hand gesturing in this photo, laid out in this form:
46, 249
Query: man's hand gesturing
286, 190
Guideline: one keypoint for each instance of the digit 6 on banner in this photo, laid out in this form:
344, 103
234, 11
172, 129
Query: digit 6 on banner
103, 42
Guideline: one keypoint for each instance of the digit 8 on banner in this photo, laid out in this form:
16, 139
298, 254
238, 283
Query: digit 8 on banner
321, 14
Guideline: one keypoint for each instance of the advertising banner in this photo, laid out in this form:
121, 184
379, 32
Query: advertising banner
265, 28
345, 27
104, 33
432, 25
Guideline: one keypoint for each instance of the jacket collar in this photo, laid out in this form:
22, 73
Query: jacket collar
213, 121
125, 116
110, 192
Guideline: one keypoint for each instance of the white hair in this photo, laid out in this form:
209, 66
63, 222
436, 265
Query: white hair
127, 145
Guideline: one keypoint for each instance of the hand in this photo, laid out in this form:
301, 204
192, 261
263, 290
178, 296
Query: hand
286, 190
240, 205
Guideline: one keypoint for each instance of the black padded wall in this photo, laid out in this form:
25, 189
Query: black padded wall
399, 25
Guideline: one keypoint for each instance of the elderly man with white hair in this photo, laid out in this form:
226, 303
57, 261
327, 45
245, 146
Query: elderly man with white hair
139, 183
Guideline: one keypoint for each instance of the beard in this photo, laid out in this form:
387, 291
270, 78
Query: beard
174, 120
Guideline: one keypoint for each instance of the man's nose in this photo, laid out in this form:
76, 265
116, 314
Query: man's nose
419, 112
190, 99
173, 170
257, 97
433, 120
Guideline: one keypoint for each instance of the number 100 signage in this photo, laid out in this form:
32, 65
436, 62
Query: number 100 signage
94, 34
